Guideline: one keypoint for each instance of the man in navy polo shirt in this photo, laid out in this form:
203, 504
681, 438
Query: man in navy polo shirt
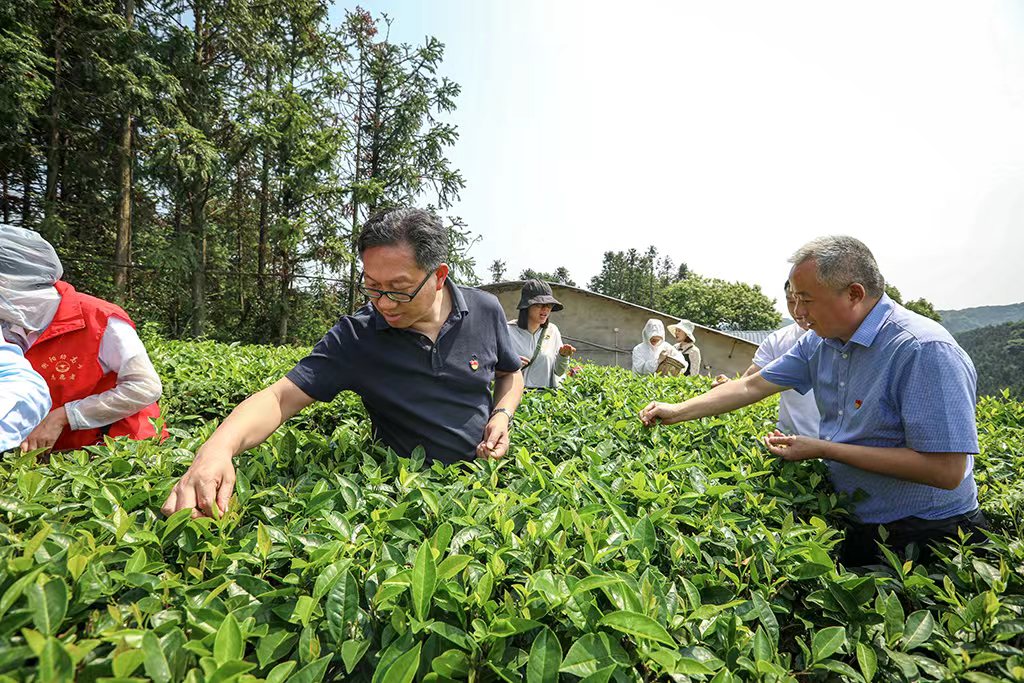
422, 355
896, 396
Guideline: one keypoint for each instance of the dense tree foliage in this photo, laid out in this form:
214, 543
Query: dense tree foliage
210, 163
721, 304
920, 306
560, 275
637, 277
998, 355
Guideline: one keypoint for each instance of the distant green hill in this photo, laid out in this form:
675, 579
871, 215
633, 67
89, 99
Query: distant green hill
981, 316
998, 355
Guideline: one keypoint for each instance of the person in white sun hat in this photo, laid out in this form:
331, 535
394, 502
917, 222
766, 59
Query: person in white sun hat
686, 344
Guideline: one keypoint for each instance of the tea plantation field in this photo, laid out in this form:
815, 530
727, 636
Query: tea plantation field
596, 551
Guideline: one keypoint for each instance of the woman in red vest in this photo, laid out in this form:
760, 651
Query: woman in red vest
100, 377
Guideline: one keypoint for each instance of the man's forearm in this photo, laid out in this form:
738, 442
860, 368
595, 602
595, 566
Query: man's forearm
941, 470
249, 424
508, 390
727, 397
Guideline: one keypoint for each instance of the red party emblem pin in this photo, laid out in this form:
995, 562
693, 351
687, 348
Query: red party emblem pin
474, 364
858, 403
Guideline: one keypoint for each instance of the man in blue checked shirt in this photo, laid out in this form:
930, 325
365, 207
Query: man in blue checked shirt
24, 397
896, 396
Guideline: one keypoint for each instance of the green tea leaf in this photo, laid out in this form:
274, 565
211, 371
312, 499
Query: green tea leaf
342, 606
352, 652
279, 674
424, 579
451, 664
452, 565
827, 642
592, 652
312, 672
919, 628
637, 625
403, 670
545, 658
228, 645
48, 604
867, 660
155, 662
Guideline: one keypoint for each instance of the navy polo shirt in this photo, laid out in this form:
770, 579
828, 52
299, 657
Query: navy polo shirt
437, 395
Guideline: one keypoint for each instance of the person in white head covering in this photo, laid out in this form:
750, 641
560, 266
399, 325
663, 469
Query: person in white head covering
99, 375
649, 353
686, 344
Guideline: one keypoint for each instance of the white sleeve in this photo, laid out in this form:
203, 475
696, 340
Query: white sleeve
766, 353
138, 385
120, 343
644, 363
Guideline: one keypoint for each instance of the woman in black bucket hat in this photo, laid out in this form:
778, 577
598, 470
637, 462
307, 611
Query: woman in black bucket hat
537, 340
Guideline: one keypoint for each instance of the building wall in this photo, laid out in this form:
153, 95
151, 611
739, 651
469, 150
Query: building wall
588, 322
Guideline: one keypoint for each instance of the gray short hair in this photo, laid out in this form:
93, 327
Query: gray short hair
421, 230
841, 261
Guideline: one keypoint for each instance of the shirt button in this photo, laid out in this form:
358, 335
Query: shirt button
840, 412
828, 438
846, 355
842, 384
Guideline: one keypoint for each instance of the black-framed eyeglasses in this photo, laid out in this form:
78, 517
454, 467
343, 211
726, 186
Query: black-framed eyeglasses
399, 297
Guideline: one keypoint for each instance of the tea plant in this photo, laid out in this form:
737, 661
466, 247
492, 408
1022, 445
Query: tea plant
596, 551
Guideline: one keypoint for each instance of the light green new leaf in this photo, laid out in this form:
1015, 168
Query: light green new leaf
894, 617
228, 645
279, 674
54, 662
452, 664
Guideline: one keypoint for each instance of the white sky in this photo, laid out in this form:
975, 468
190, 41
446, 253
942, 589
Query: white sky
728, 133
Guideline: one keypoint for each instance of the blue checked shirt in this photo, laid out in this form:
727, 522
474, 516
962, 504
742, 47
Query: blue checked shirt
900, 382
24, 397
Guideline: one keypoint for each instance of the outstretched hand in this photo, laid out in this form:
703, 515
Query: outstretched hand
794, 448
659, 413
209, 481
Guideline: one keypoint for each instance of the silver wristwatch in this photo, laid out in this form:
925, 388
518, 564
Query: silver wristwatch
508, 414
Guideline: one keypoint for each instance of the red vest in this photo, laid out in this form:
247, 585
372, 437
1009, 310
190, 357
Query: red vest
67, 356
